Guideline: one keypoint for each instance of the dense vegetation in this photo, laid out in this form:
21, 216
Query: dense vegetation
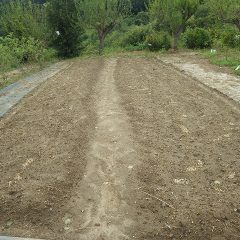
38, 30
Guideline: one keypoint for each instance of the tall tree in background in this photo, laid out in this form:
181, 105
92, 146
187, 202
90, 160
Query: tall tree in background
66, 27
172, 15
103, 16
225, 11
234, 13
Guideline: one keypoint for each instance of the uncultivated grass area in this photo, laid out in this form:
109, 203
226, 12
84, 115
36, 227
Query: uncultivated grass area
225, 58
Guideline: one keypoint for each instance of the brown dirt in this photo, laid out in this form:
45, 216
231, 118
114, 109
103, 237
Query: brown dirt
126, 148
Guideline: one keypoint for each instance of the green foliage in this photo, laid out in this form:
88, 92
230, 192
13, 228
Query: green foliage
14, 51
135, 36
202, 18
103, 16
225, 11
73, 27
139, 6
232, 59
67, 30
158, 41
231, 37
172, 15
197, 38
23, 18
7, 60
142, 18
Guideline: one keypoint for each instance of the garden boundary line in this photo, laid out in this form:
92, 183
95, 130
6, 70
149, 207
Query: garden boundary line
12, 94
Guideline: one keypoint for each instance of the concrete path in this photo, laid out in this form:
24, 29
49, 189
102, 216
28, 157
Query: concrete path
223, 82
15, 238
12, 94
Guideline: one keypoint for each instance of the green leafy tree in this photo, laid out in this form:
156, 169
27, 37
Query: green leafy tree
234, 13
103, 16
225, 11
172, 15
66, 27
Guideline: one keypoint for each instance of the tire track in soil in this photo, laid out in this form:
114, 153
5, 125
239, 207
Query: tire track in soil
101, 197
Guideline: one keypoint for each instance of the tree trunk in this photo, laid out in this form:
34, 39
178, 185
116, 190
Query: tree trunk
101, 43
175, 42
176, 37
238, 25
102, 33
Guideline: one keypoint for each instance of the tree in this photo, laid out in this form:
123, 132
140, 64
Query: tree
234, 13
103, 16
172, 15
225, 11
66, 27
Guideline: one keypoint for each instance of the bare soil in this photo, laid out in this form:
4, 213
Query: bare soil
121, 148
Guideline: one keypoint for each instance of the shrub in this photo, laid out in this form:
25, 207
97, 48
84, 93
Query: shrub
7, 60
26, 49
142, 18
197, 38
23, 18
158, 41
136, 36
15, 51
231, 37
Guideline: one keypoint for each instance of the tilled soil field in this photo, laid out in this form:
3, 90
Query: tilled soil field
121, 148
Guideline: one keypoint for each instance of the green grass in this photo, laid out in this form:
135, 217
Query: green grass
224, 58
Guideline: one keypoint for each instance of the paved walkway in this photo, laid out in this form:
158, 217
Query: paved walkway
12, 94
14, 238
225, 83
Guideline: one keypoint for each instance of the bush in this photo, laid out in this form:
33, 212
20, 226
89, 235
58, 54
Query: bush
197, 38
158, 41
14, 51
231, 37
7, 60
23, 18
26, 49
142, 18
136, 36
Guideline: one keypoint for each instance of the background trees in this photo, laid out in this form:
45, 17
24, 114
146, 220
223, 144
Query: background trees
66, 27
103, 16
173, 15
25, 34
75, 27
225, 11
